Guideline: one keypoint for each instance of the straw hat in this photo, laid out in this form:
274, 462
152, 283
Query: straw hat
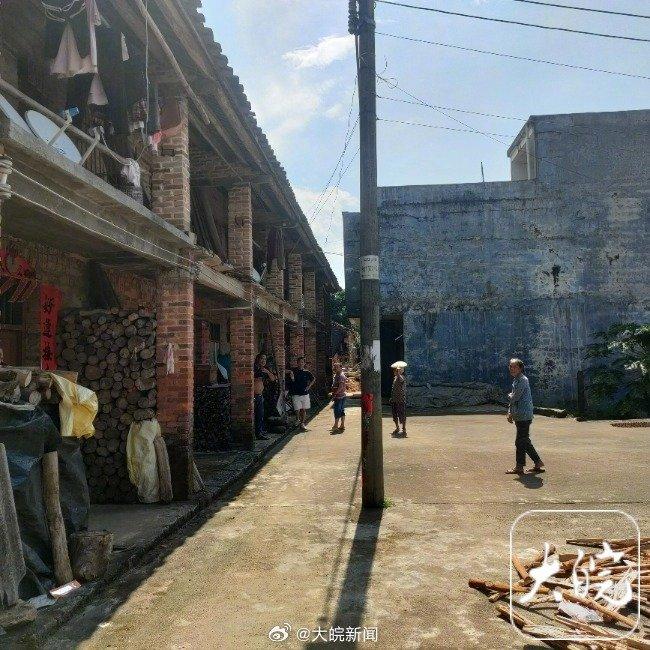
399, 364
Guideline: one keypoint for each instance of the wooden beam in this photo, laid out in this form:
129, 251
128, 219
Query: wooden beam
172, 60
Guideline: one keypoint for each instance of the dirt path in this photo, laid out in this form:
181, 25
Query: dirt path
292, 547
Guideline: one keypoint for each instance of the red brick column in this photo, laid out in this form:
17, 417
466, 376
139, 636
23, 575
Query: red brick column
295, 280
170, 177
310, 350
175, 313
275, 280
277, 332
309, 292
201, 341
296, 343
241, 377
240, 229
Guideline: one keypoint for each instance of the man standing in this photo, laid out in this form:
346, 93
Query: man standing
520, 411
300, 384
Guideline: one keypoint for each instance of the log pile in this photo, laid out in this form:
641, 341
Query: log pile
26, 385
594, 617
114, 352
211, 417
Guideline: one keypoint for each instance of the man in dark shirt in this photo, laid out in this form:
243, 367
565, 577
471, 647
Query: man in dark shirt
300, 384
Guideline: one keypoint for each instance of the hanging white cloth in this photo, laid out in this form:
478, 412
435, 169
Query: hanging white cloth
97, 95
68, 62
131, 172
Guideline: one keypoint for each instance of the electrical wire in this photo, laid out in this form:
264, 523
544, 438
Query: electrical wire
456, 110
515, 22
395, 86
444, 128
347, 138
514, 56
590, 9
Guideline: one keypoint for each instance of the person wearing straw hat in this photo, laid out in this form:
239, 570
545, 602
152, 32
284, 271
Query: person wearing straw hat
398, 398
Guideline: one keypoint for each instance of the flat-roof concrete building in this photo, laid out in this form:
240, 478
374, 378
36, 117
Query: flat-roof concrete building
473, 274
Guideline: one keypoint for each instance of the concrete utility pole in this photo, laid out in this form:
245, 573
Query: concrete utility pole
371, 434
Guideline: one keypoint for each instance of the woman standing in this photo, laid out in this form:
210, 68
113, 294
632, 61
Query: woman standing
260, 374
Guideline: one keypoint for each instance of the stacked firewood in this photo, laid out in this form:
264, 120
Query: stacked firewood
590, 618
114, 352
211, 417
26, 385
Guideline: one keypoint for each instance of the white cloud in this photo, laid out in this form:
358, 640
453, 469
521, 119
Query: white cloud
286, 105
324, 53
336, 112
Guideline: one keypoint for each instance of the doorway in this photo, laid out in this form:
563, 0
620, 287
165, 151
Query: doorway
392, 348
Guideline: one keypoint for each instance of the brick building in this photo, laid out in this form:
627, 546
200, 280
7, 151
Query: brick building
209, 239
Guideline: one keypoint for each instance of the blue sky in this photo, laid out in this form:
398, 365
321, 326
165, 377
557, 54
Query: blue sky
296, 62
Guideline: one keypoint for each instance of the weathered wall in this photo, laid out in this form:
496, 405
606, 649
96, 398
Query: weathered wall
483, 272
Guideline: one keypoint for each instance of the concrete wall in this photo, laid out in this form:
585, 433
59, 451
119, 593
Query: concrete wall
482, 272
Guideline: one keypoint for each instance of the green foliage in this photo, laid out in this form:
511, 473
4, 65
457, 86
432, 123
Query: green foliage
620, 383
338, 308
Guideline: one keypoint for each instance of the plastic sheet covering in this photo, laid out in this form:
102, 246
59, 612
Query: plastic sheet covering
77, 409
27, 436
141, 460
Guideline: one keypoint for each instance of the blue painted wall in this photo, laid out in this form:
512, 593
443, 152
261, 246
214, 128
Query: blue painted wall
482, 272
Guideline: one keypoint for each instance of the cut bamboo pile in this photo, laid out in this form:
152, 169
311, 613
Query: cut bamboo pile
572, 633
114, 352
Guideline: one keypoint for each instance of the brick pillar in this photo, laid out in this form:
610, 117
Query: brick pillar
277, 332
310, 349
295, 280
296, 343
309, 292
202, 341
275, 280
322, 351
175, 314
320, 302
170, 177
240, 229
241, 377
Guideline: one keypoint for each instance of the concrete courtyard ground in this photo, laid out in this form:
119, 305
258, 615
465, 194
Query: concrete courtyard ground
293, 548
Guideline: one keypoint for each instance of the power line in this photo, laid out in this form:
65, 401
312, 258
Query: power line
457, 110
444, 128
347, 138
395, 86
514, 56
590, 9
516, 22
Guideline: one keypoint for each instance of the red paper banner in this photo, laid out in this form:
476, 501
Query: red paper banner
50, 305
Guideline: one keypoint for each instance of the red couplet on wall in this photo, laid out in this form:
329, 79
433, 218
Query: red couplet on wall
50, 305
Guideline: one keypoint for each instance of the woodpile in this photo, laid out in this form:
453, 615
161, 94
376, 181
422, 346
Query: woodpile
594, 617
114, 352
211, 417
28, 385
